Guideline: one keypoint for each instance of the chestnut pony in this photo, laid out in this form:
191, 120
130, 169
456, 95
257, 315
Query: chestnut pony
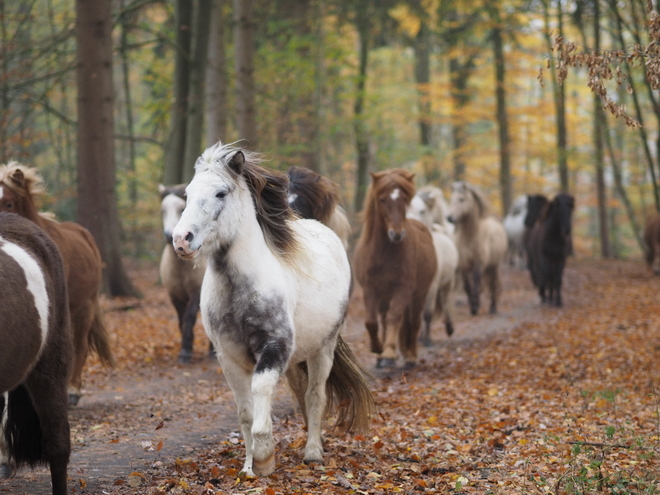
395, 263
19, 187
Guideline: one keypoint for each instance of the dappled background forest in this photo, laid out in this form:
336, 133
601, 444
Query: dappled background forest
449, 89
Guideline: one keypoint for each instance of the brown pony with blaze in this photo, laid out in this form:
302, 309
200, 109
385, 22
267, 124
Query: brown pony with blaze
395, 263
20, 187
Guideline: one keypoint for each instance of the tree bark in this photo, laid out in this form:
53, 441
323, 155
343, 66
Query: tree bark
195, 117
423, 79
459, 75
176, 143
598, 152
245, 87
216, 78
359, 127
97, 201
559, 95
502, 117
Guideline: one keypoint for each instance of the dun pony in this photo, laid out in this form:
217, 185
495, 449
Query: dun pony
20, 188
181, 279
481, 242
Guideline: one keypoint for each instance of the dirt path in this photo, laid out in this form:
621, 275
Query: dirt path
115, 428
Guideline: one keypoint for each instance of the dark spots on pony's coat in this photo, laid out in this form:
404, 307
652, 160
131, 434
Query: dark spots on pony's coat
273, 353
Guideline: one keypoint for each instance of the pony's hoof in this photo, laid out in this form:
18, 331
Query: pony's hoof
426, 342
265, 467
185, 357
7, 470
376, 348
410, 365
385, 363
449, 328
74, 399
474, 311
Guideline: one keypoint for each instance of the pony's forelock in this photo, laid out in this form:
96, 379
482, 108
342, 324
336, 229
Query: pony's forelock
269, 190
34, 184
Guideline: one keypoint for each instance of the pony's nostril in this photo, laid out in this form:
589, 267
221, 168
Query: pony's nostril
189, 237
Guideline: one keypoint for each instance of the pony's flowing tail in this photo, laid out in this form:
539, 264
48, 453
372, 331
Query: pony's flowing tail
99, 339
349, 387
22, 430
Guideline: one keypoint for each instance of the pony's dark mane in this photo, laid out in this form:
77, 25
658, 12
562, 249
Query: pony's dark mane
397, 177
319, 192
269, 190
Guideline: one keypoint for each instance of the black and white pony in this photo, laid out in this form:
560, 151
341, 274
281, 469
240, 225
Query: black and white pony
274, 300
36, 351
550, 243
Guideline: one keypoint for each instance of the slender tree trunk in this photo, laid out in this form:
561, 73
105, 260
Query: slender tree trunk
4, 80
359, 127
598, 152
195, 116
176, 143
502, 117
130, 128
423, 79
559, 94
245, 88
97, 201
216, 78
459, 76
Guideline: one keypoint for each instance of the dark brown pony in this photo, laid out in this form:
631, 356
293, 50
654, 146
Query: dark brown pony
395, 263
549, 245
652, 243
311, 195
36, 350
19, 187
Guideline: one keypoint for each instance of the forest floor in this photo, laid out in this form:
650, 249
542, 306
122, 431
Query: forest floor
532, 400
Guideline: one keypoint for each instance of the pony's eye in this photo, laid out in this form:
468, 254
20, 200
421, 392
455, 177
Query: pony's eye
221, 194
9, 205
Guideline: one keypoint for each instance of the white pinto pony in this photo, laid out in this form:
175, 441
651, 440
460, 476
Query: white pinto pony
429, 207
514, 225
440, 293
274, 300
181, 279
481, 242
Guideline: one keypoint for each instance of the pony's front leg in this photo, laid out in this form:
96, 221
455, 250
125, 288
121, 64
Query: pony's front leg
392, 322
371, 323
239, 381
318, 367
272, 360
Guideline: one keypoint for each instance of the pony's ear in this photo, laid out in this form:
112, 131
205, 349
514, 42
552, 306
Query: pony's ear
430, 201
236, 162
161, 190
376, 175
18, 178
408, 175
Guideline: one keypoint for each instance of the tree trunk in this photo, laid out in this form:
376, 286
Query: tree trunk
598, 152
423, 79
176, 143
97, 201
559, 95
502, 117
459, 75
216, 78
195, 117
245, 88
361, 138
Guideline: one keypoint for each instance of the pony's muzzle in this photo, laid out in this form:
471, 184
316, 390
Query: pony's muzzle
396, 236
182, 247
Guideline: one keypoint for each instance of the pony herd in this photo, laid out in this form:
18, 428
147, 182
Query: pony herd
264, 256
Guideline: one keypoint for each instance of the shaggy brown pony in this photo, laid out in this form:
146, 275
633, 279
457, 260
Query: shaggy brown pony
395, 263
20, 186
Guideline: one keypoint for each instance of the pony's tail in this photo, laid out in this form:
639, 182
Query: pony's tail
99, 339
349, 386
23, 430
